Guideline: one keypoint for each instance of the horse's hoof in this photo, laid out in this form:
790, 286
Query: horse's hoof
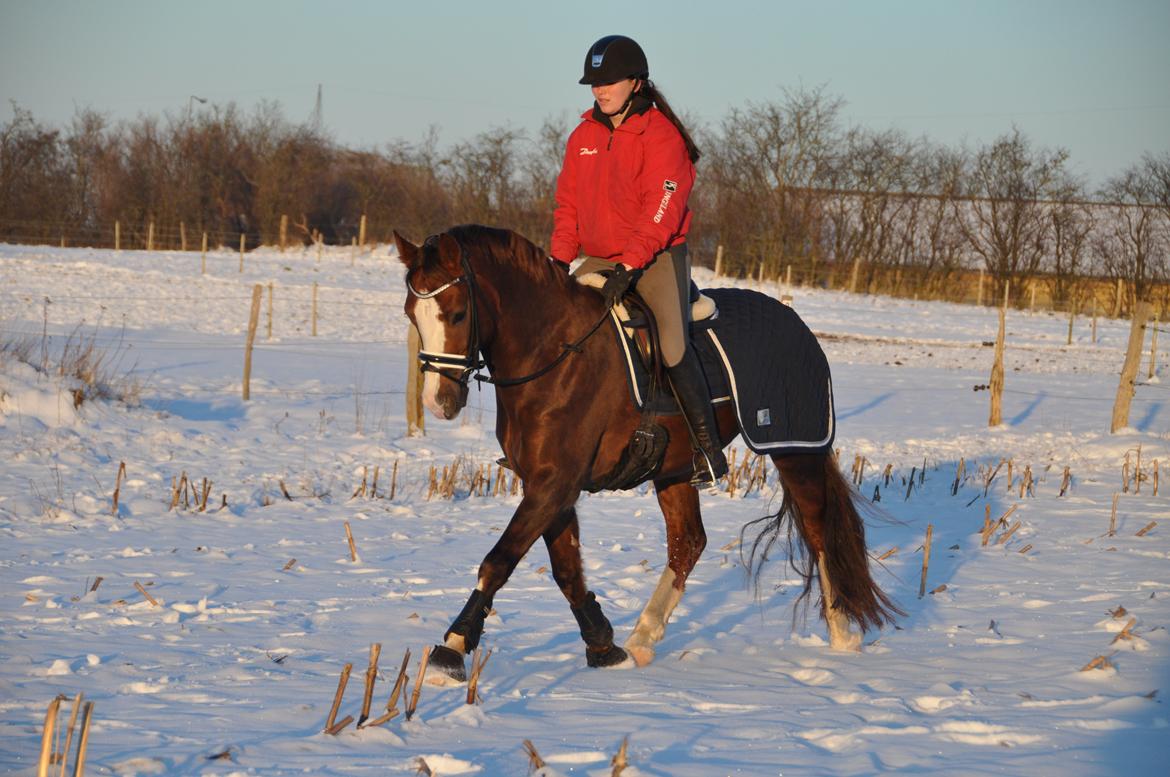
643, 655
446, 667
845, 643
605, 659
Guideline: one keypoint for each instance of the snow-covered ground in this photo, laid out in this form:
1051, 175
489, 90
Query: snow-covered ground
242, 652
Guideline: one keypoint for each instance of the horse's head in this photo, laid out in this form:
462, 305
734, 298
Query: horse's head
438, 301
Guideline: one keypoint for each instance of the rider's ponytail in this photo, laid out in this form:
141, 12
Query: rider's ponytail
651, 93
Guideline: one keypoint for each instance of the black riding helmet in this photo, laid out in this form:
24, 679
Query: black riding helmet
614, 58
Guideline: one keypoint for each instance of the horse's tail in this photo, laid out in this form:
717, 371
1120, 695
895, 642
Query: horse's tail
816, 480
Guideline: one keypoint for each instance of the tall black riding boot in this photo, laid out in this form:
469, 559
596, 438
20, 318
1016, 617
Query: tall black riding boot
690, 388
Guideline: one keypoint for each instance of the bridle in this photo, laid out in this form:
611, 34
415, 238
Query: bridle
470, 363
437, 361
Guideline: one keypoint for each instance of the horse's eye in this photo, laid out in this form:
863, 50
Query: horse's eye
458, 317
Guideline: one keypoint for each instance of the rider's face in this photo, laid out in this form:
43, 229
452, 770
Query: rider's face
611, 97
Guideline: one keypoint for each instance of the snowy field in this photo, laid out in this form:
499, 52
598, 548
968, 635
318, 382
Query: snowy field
240, 656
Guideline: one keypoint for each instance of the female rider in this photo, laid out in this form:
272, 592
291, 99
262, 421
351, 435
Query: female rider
621, 199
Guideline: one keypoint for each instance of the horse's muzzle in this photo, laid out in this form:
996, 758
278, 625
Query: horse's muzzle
448, 401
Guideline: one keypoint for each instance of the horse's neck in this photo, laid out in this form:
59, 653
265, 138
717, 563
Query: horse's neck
533, 325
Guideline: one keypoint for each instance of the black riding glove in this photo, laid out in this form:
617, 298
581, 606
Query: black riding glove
618, 284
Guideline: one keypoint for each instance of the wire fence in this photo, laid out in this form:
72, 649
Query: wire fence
1085, 296
305, 303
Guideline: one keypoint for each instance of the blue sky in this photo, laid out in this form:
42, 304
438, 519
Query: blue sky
1087, 76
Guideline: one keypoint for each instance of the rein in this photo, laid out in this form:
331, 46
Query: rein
470, 364
566, 349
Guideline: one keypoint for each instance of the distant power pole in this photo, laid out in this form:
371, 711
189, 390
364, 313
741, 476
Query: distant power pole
316, 120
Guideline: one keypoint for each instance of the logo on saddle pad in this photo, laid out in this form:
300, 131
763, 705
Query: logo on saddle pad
763, 417
587, 151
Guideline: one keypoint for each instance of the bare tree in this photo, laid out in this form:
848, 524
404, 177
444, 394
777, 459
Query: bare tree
483, 175
1135, 232
34, 174
865, 201
540, 168
763, 168
1005, 218
1070, 229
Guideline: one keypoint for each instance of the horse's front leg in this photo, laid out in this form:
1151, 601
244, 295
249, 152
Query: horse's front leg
685, 541
564, 552
538, 511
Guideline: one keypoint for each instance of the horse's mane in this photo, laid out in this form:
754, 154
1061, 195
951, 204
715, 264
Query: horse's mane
510, 249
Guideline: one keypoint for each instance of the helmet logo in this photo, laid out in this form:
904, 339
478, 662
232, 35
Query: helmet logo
597, 59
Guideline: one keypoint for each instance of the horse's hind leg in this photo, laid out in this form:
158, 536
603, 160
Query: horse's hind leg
685, 540
564, 552
821, 506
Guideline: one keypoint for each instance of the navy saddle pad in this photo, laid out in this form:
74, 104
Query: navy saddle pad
760, 355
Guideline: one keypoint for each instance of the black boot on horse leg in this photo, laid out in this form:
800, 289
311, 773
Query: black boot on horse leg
598, 635
564, 552
690, 388
460, 639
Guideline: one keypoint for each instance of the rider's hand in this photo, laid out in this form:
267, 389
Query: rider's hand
618, 284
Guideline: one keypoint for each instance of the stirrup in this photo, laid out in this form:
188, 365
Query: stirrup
704, 475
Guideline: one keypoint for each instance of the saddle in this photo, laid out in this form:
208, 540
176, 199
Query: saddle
634, 317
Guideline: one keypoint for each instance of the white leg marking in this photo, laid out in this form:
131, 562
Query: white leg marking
433, 336
652, 622
841, 636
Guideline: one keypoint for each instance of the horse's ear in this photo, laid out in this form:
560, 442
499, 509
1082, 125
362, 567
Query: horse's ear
449, 251
408, 252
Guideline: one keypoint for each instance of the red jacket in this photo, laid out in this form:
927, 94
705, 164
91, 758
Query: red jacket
622, 194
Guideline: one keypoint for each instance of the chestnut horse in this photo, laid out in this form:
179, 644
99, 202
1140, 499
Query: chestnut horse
488, 298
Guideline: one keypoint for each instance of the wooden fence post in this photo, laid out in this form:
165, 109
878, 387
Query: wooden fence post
150, 237
182, 236
853, 275
314, 308
362, 232
117, 235
788, 277
1072, 315
1032, 305
1153, 349
352, 250
1094, 320
253, 319
1133, 356
243, 237
203, 255
979, 300
269, 310
925, 560
283, 231
1117, 299
996, 416
415, 421
718, 261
